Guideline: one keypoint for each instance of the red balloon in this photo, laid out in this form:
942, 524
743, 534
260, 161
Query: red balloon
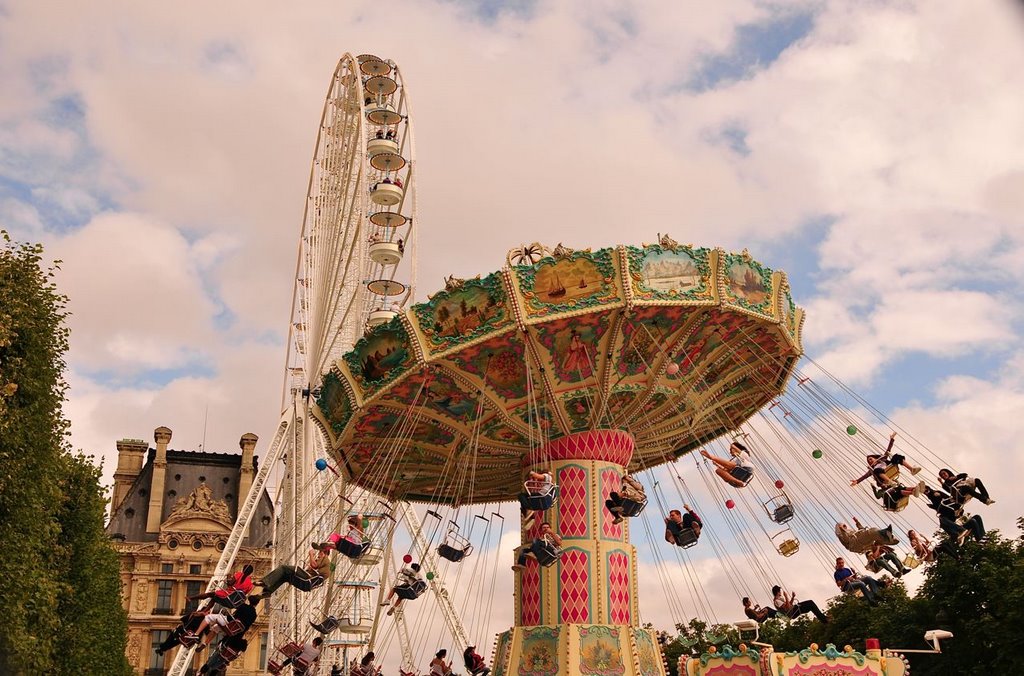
730, 504
779, 484
407, 558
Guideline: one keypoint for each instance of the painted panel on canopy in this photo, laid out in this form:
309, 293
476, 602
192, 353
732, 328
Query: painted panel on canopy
747, 284
573, 346
716, 330
647, 654
334, 403
388, 423
497, 429
646, 338
621, 398
379, 357
677, 274
577, 281
499, 363
539, 653
577, 405
466, 312
440, 394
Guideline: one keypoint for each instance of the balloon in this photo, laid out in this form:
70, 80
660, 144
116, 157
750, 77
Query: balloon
730, 504
851, 430
407, 558
672, 369
321, 464
779, 484
366, 522
430, 576
816, 454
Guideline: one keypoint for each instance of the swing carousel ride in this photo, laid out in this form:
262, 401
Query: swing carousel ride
582, 364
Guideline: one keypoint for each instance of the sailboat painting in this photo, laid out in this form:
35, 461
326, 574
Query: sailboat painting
567, 280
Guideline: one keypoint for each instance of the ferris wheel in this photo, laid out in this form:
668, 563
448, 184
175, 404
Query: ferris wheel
355, 269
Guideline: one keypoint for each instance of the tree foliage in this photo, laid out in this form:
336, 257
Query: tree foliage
60, 596
979, 597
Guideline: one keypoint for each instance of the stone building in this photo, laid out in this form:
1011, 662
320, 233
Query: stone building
171, 514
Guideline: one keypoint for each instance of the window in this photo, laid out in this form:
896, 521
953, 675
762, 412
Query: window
193, 588
263, 650
166, 567
195, 569
163, 594
159, 636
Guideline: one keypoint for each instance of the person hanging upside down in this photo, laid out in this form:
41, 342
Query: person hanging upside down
318, 567
677, 522
787, 605
878, 464
756, 612
738, 469
851, 582
884, 557
960, 487
407, 577
240, 581
474, 662
542, 542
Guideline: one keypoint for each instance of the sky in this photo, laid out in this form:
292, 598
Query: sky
870, 149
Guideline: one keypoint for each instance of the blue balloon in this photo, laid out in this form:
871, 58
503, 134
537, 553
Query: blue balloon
321, 464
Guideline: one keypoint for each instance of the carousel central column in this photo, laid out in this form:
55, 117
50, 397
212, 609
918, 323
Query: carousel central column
579, 616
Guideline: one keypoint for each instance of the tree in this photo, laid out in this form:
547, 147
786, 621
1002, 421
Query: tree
60, 596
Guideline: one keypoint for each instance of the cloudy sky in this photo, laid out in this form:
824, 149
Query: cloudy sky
870, 149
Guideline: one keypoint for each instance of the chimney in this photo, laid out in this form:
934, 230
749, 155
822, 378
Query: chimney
162, 436
131, 454
245, 475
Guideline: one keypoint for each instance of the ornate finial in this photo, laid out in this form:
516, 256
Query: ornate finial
453, 283
528, 254
667, 242
746, 255
561, 251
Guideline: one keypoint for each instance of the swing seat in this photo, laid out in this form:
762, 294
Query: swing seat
538, 496
233, 599
632, 507
873, 566
892, 472
898, 506
273, 667
547, 552
291, 649
783, 513
306, 581
351, 549
329, 624
188, 639
446, 551
229, 654
744, 474
411, 592
789, 547
911, 561
959, 488
301, 665
234, 628
686, 538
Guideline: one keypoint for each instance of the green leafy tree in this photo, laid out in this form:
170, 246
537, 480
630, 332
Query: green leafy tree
60, 595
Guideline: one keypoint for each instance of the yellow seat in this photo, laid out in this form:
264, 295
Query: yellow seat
789, 547
892, 472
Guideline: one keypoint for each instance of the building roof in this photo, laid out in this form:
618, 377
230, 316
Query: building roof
185, 471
